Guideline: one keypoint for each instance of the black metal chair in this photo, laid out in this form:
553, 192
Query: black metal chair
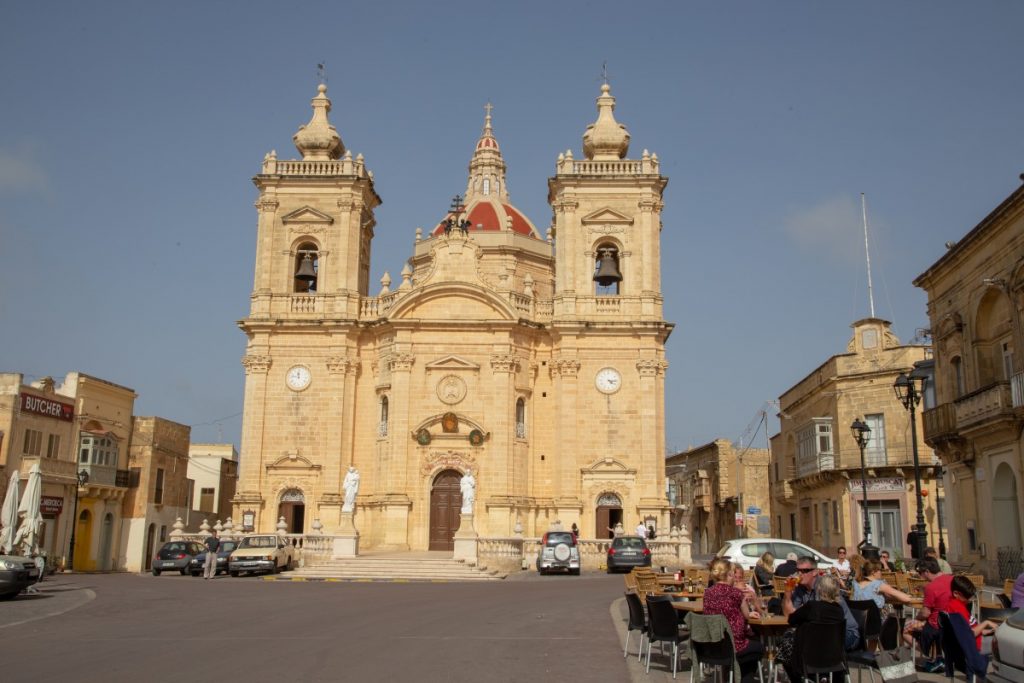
863, 657
637, 622
889, 639
663, 627
959, 650
719, 655
1004, 600
820, 650
994, 613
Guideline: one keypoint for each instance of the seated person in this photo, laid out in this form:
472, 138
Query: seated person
827, 607
787, 568
937, 594
871, 586
842, 563
723, 598
962, 593
887, 564
1017, 596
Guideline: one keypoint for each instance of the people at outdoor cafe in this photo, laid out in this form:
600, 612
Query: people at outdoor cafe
764, 571
962, 593
925, 629
943, 565
1017, 596
823, 604
871, 586
722, 597
886, 563
787, 568
842, 563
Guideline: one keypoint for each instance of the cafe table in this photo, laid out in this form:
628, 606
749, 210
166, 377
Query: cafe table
770, 627
688, 605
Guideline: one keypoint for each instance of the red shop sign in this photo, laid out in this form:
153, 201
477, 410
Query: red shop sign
47, 407
51, 505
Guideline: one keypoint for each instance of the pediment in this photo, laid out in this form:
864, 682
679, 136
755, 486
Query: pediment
607, 215
306, 214
606, 465
293, 461
452, 362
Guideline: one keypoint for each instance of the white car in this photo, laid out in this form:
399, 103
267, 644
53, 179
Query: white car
1008, 650
747, 551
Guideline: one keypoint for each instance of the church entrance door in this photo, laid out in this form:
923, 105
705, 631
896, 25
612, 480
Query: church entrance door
609, 513
293, 509
445, 506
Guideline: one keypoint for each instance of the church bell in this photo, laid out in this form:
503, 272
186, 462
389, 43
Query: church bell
607, 271
305, 271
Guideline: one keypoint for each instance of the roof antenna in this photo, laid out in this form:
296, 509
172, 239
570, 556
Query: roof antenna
867, 253
321, 73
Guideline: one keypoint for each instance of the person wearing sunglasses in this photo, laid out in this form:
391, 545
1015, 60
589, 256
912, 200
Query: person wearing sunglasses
805, 591
886, 563
842, 562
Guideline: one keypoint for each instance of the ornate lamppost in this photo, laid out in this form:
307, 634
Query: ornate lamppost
82, 480
907, 392
938, 510
862, 434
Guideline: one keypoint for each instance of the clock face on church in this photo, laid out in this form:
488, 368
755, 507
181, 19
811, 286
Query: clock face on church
298, 377
608, 380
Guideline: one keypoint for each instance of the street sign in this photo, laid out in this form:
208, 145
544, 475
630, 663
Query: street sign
753, 510
739, 519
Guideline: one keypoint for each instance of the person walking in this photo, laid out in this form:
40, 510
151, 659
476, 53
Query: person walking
212, 544
641, 530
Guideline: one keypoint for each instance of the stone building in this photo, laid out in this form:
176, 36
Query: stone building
159, 492
37, 427
710, 484
496, 352
975, 416
213, 469
816, 482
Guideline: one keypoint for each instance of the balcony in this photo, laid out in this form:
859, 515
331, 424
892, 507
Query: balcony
104, 475
940, 424
51, 468
1017, 390
985, 407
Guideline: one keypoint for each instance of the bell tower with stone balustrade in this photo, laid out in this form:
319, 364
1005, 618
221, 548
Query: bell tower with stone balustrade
609, 331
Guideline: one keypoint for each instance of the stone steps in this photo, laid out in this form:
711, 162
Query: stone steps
396, 568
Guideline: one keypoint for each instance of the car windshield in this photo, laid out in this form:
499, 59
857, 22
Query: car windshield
227, 546
560, 537
635, 543
258, 542
724, 551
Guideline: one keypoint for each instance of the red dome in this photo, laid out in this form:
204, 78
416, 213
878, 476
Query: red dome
489, 214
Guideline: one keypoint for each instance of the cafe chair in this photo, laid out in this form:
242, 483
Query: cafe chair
637, 622
719, 655
889, 638
869, 626
959, 650
819, 648
997, 613
1004, 600
663, 627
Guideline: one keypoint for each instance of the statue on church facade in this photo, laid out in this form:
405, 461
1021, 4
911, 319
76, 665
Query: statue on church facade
468, 486
351, 486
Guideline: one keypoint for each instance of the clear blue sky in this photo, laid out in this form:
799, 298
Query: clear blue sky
129, 133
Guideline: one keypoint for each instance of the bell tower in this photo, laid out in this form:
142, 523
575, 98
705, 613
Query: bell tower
315, 226
608, 327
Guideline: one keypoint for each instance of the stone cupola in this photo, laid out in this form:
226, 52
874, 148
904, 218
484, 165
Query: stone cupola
487, 167
318, 140
606, 139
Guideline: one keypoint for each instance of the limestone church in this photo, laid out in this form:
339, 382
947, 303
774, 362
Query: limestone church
534, 359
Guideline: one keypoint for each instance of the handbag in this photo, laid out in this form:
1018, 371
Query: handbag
896, 666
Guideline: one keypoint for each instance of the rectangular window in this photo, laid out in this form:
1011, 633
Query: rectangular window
874, 452
1007, 361
53, 446
206, 498
835, 515
814, 447
33, 442
817, 527
158, 494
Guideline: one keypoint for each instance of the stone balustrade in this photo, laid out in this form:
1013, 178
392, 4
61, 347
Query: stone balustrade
340, 167
984, 405
51, 468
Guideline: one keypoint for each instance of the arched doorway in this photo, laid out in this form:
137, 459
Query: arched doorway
107, 542
445, 507
1004, 508
150, 539
293, 509
609, 513
83, 541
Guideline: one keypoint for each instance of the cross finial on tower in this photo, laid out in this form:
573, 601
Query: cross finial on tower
604, 72
321, 73
487, 108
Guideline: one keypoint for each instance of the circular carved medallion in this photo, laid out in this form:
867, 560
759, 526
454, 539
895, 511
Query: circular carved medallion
451, 389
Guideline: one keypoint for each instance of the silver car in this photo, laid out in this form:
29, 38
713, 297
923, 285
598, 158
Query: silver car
1008, 650
747, 551
558, 550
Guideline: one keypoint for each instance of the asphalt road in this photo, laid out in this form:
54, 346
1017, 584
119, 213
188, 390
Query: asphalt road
124, 627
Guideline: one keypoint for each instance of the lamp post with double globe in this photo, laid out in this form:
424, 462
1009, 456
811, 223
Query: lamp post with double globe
862, 434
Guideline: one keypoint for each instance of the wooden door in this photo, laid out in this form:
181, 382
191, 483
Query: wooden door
445, 506
603, 523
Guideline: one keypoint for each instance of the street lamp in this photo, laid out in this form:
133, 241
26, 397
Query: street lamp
909, 395
938, 509
862, 434
83, 479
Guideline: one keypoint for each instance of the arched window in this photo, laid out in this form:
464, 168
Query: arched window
957, 366
306, 268
383, 428
487, 186
607, 270
521, 418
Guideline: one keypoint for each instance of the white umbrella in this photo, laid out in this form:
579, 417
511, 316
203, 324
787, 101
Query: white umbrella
32, 520
9, 515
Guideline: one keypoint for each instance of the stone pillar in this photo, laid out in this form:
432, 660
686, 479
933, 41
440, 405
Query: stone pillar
346, 539
250, 469
465, 540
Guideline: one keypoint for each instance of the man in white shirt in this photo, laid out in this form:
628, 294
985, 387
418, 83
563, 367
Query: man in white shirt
641, 530
842, 564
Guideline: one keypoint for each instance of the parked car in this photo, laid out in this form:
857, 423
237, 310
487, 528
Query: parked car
558, 550
747, 551
223, 553
16, 574
1008, 650
626, 552
263, 553
175, 556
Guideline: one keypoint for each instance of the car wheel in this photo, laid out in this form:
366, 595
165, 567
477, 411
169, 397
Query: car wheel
9, 596
234, 574
575, 572
183, 571
194, 574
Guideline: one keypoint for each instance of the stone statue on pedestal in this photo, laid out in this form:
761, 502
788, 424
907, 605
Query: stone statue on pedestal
351, 486
468, 486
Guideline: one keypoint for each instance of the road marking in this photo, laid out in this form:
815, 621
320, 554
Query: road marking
87, 596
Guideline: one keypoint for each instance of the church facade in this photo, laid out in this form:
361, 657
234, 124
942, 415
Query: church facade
534, 360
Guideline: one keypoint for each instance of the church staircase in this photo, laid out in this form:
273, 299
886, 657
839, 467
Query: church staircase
429, 567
